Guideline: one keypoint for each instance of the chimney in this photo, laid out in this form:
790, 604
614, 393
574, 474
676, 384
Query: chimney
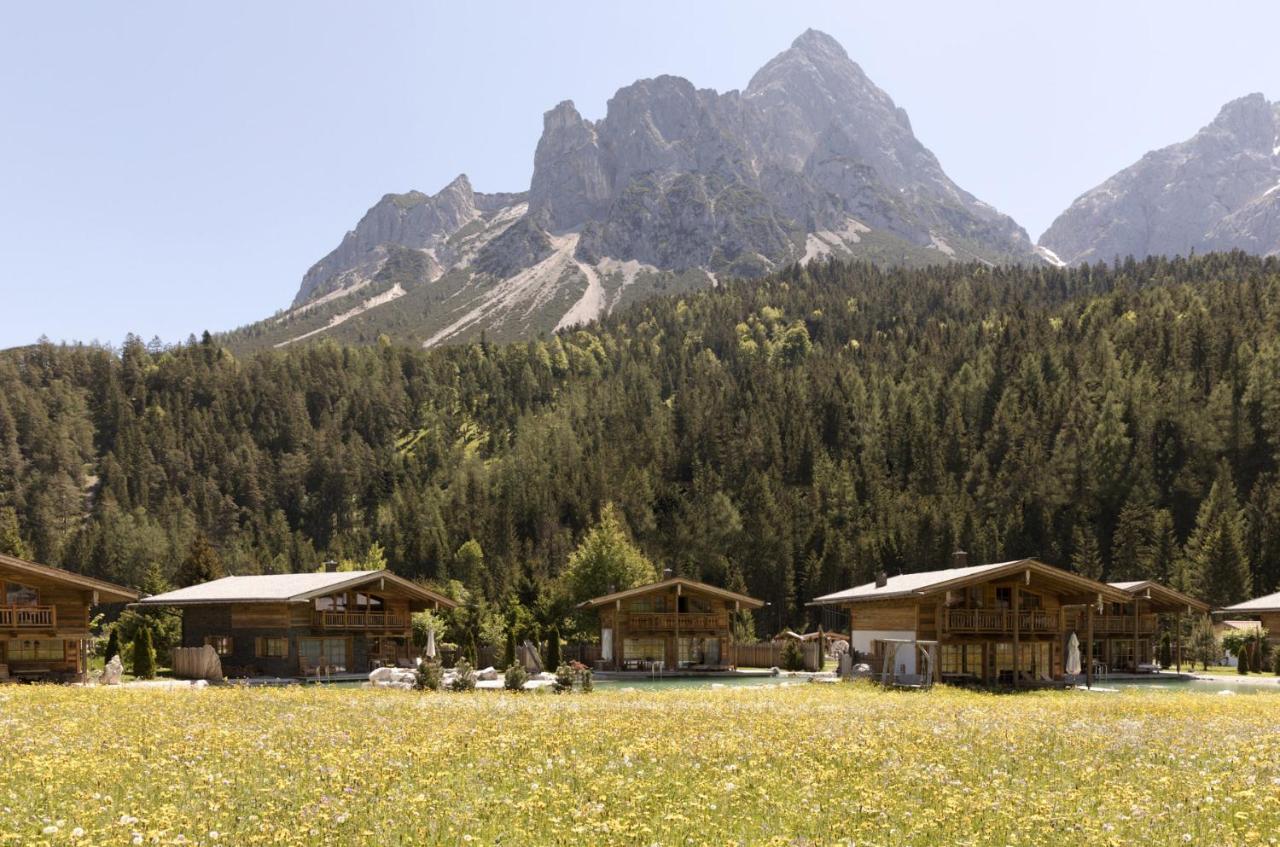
959, 559
667, 573
882, 579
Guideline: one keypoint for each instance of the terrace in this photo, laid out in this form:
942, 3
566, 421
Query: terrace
360, 620
28, 617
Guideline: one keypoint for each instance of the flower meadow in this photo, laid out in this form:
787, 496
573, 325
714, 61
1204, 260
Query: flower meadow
799, 765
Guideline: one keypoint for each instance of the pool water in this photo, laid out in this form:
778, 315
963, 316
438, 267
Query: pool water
1211, 687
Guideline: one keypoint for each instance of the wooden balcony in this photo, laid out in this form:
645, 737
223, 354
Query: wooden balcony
28, 617
671, 621
999, 622
360, 620
1111, 624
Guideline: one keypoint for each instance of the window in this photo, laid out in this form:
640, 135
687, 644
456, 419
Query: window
697, 605
16, 594
221, 644
36, 649
654, 603
271, 648
368, 602
961, 659
644, 649
332, 603
1004, 597
332, 651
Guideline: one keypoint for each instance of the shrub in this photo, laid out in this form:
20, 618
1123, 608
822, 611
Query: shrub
509, 650
464, 676
144, 654
587, 683
113, 645
564, 679
429, 676
553, 649
1166, 650
1275, 662
792, 656
515, 677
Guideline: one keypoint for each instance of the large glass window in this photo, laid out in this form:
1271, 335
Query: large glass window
333, 651
368, 603
332, 603
271, 648
644, 649
17, 594
36, 649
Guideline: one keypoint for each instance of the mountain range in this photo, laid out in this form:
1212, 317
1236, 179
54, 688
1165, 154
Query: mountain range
677, 186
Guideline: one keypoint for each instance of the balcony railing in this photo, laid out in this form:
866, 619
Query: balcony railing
360, 620
28, 617
999, 621
689, 621
1112, 624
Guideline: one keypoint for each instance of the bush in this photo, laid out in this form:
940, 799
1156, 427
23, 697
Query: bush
1166, 650
464, 676
515, 677
792, 656
564, 679
1275, 662
144, 654
587, 683
553, 649
429, 676
113, 645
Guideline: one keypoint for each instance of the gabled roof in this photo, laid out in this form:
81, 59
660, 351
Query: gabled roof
931, 582
1242, 625
1160, 593
108, 592
286, 588
723, 593
1269, 603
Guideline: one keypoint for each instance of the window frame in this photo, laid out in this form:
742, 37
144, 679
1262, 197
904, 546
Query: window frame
223, 645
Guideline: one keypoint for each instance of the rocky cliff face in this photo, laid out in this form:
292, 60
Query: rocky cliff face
810, 159
1216, 191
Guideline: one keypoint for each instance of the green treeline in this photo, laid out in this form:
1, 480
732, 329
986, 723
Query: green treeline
787, 437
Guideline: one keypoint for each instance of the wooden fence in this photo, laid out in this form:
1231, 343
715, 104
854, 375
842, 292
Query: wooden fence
768, 654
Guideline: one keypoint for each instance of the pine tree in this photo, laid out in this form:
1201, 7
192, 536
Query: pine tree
113, 645
11, 542
553, 648
1085, 560
1131, 546
202, 564
1216, 563
606, 560
144, 654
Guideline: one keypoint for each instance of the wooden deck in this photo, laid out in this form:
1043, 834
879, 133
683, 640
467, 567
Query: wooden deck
28, 617
360, 620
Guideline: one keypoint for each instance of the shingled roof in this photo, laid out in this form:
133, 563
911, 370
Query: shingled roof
108, 592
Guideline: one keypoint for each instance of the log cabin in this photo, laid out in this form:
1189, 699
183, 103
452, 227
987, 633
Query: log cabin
44, 618
297, 624
675, 624
1006, 623
1126, 635
1264, 609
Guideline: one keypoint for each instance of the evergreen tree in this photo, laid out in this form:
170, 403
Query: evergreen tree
144, 654
1217, 566
113, 645
552, 659
606, 561
202, 564
1085, 560
11, 542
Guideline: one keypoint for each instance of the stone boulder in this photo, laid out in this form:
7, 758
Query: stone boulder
112, 672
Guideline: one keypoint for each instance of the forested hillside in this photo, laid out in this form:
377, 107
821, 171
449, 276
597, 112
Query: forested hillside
790, 436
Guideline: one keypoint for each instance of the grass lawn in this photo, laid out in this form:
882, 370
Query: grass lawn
802, 765
1227, 670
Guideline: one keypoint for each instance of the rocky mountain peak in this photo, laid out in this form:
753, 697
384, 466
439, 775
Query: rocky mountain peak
818, 45
1250, 121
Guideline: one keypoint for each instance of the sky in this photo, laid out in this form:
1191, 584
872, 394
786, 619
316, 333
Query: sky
167, 168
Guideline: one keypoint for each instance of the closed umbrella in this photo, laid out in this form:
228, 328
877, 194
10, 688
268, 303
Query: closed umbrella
1073, 656
431, 644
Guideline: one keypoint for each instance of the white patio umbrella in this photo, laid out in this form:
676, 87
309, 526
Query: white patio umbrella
1073, 656
431, 644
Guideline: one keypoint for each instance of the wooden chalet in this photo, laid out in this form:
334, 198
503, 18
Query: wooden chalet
1006, 623
1266, 610
44, 618
302, 623
1125, 637
675, 624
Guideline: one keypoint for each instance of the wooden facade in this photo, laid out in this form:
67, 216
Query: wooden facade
300, 624
1002, 624
44, 618
1265, 609
675, 624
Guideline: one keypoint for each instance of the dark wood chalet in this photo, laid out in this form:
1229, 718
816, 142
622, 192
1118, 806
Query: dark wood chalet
675, 624
1006, 623
299, 624
44, 618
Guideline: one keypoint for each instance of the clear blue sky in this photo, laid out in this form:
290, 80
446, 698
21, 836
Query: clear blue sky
170, 167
